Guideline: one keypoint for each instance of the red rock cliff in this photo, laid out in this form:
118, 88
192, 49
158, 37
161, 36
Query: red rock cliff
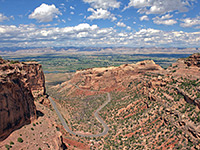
109, 78
19, 84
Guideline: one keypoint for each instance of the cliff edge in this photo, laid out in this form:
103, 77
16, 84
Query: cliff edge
20, 83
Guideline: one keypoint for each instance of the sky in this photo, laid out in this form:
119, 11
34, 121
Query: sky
100, 23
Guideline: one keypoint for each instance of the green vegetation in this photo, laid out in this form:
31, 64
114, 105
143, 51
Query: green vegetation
14, 62
57, 128
70, 63
11, 143
8, 146
20, 140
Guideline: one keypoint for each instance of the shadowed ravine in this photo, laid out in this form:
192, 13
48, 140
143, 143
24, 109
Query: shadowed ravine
106, 128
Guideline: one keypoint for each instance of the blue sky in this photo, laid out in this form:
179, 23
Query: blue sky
131, 23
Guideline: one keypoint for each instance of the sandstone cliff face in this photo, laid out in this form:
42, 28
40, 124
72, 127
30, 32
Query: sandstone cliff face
19, 84
34, 78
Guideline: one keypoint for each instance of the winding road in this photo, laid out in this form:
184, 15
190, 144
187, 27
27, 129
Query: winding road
106, 128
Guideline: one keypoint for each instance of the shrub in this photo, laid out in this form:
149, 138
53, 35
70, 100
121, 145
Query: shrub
20, 140
14, 62
174, 71
7, 146
11, 143
57, 128
100, 74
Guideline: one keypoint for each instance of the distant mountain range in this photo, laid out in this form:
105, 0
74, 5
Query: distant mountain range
96, 50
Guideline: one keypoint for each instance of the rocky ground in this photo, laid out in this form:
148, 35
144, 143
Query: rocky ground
42, 133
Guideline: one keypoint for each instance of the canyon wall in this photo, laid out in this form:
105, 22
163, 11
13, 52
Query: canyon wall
20, 83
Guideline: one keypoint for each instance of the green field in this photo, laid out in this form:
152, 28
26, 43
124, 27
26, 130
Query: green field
57, 63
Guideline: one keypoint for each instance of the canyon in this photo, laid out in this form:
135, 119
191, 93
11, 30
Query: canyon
150, 107
148, 102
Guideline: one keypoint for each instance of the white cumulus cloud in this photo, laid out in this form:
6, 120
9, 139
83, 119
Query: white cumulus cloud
164, 20
101, 9
128, 28
160, 6
45, 13
121, 24
189, 22
145, 17
105, 4
71, 7
101, 14
85, 34
3, 18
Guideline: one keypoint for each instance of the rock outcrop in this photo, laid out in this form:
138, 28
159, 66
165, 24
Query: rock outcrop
20, 83
110, 78
193, 60
159, 81
188, 98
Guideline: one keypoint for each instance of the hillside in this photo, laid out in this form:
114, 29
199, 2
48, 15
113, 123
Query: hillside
150, 108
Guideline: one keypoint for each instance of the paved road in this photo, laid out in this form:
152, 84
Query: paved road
106, 128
